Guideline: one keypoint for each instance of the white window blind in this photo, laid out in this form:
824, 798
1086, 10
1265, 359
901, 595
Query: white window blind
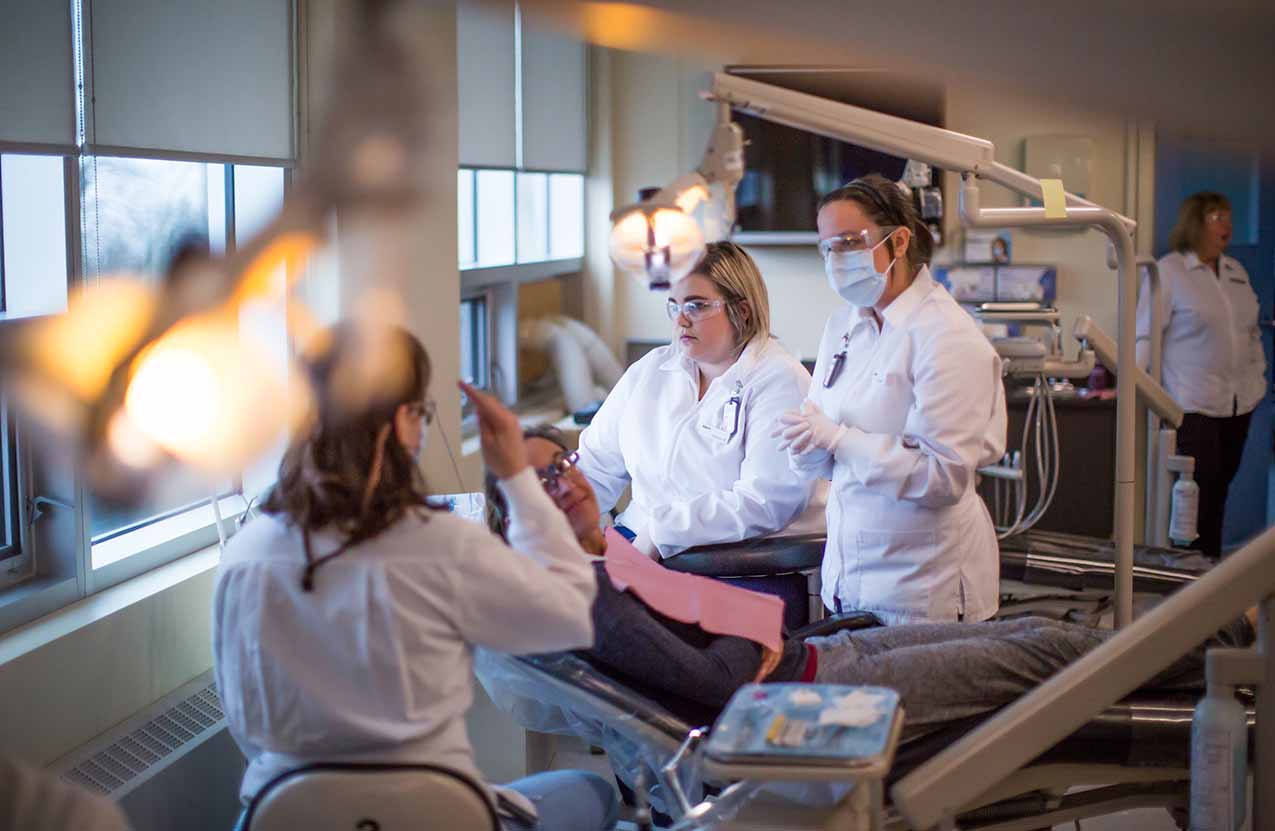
188, 76
486, 83
37, 88
554, 101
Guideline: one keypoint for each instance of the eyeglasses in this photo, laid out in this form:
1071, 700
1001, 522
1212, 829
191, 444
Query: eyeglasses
695, 310
854, 241
1217, 216
424, 410
562, 463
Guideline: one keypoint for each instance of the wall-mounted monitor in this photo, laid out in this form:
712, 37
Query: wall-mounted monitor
788, 170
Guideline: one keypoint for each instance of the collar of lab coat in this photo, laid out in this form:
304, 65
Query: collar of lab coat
898, 312
1192, 261
678, 361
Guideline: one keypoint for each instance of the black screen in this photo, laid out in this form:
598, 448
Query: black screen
787, 170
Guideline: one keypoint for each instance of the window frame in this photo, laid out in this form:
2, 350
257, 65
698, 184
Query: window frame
153, 551
4, 294
15, 556
480, 337
55, 565
500, 283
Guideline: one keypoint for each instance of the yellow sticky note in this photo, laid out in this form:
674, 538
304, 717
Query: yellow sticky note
1055, 200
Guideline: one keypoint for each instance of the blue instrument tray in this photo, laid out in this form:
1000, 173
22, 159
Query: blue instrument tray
814, 724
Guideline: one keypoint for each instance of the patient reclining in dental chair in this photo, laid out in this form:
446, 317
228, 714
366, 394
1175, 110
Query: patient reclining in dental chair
943, 673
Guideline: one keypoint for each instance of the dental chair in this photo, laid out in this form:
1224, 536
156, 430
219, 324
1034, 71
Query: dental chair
1074, 562
796, 558
371, 797
1134, 754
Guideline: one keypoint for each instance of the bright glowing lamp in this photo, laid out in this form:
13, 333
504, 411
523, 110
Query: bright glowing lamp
660, 239
202, 394
656, 243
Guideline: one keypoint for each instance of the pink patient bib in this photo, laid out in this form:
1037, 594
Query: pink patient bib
716, 606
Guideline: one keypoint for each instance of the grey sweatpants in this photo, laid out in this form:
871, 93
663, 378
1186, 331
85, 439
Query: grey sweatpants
946, 672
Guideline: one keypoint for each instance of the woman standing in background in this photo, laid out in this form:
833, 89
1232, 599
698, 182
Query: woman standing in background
1213, 362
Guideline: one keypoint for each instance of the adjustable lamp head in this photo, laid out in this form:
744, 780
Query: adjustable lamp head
660, 238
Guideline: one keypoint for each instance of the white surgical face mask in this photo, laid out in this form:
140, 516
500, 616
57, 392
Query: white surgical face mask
854, 275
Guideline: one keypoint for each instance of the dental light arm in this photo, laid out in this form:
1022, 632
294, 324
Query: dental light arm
935, 146
653, 239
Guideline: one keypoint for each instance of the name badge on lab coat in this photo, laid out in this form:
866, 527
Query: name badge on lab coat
726, 424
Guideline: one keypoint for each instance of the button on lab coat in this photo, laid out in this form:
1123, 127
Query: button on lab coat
375, 664
700, 475
909, 538
1212, 361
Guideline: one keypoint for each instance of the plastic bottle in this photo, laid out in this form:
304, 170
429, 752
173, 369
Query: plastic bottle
1185, 511
1219, 761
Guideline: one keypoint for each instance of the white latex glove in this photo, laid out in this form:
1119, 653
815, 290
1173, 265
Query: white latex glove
808, 430
643, 543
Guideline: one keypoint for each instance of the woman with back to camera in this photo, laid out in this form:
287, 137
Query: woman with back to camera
345, 617
688, 425
907, 403
1213, 363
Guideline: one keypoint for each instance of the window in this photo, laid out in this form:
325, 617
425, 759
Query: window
509, 217
137, 214
533, 217
515, 227
103, 191
10, 522
495, 210
566, 205
475, 366
138, 211
468, 220
33, 243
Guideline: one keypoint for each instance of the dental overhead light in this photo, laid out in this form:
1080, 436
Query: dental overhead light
660, 239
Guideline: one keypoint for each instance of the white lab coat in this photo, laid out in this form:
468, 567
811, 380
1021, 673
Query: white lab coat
1212, 362
909, 538
375, 663
699, 475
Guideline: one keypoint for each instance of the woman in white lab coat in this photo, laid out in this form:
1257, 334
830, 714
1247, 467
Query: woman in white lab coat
1213, 362
345, 617
907, 403
689, 423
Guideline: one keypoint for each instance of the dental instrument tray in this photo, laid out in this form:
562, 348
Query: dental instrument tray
832, 727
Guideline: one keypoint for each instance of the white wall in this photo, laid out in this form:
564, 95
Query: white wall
655, 128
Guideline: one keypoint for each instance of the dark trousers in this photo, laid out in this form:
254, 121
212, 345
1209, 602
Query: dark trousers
1217, 445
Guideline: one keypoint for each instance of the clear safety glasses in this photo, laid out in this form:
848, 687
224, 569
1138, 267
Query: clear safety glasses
695, 310
1217, 216
424, 410
562, 463
854, 241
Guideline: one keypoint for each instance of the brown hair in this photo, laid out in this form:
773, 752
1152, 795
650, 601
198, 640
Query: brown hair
731, 268
886, 204
345, 469
1190, 225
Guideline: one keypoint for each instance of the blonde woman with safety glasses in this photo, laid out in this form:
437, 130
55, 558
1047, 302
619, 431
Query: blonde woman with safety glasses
907, 403
689, 424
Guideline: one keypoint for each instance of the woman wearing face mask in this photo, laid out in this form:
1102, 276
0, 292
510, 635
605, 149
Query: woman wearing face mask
906, 404
345, 617
689, 423
1214, 365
